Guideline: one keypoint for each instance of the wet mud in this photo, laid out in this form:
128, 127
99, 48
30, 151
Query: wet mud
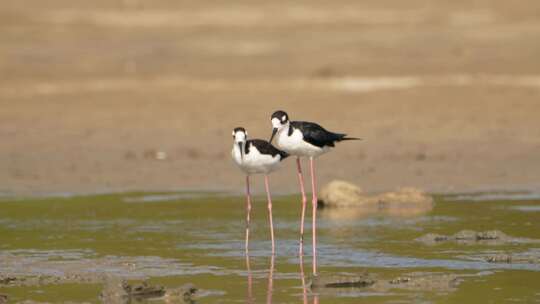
416, 281
528, 257
492, 237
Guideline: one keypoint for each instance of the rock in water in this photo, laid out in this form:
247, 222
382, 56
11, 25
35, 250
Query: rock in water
184, 293
492, 237
118, 291
403, 202
339, 193
3, 298
144, 290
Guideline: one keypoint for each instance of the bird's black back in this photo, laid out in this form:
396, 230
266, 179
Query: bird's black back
317, 135
265, 148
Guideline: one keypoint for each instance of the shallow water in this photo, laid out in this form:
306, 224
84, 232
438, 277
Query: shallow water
176, 238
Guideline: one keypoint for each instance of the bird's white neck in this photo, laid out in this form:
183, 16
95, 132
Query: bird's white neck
238, 151
285, 129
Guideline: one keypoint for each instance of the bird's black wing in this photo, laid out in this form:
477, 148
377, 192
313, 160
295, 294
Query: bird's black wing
265, 148
315, 134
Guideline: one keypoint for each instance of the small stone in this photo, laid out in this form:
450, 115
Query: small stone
325, 71
3, 298
421, 156
161, 155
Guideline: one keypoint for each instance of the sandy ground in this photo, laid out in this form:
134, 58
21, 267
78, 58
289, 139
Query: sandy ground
446, 94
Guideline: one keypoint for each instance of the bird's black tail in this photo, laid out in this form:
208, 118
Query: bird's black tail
341, 137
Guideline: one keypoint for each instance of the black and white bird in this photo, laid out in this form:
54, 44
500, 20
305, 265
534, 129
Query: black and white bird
304, 139
256, 156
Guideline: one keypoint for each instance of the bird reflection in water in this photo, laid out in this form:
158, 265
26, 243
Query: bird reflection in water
270, 281
304, 285
249, 299
270, 287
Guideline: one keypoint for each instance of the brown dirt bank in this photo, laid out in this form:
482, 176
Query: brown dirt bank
444, 94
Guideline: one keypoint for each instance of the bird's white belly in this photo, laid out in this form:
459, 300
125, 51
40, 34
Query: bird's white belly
295, 144
254, 162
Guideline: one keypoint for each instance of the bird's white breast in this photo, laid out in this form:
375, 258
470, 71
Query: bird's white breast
255, 162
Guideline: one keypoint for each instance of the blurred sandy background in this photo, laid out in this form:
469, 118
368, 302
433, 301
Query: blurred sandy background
94, 93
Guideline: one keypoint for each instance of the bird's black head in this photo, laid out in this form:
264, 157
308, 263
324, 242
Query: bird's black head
238, 129
280, 120
281, 116
239, 135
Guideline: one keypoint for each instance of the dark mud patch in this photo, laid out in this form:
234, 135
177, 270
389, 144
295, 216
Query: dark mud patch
415, 281
492, 237
342, 281
421, 281
35, 280
118, 290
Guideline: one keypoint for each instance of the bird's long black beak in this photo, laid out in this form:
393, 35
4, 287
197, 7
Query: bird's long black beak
274, 131
241, 150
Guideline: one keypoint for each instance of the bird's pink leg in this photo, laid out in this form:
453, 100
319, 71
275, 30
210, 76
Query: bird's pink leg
304, 201
248, 212
314, 215
270, 213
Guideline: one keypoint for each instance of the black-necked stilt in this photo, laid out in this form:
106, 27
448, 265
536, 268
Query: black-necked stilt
256, 156
306, 139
